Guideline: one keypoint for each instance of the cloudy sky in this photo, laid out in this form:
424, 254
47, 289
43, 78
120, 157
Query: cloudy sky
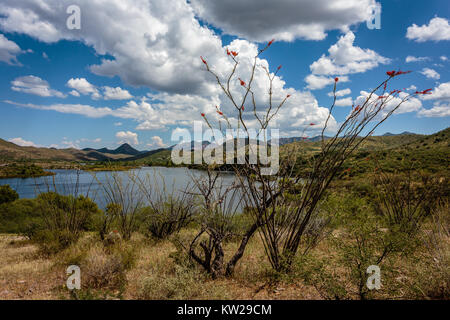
132, 71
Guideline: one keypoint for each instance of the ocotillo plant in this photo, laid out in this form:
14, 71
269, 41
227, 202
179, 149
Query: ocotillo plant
284, 209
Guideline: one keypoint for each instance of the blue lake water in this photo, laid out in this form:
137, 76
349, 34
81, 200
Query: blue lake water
94, 184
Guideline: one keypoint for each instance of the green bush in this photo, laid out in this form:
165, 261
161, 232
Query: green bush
64, 218
103, 268
7, 194
167, 218
20, 217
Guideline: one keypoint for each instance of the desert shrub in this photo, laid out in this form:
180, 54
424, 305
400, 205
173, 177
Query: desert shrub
124, 202
405, 200
20, 217
53, 241
103, 269
163, 219
7, 194
64, 218
183, 282
317, 272
431, 274
76, 253
167, 211
361, 239
238, 224
106, 220
362, 243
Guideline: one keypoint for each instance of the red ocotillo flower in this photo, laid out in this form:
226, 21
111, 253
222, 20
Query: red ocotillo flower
202, 114
396, 73
243, 109
312, 124
270, 42
336, 79
203, 60
234, 53
428, 91
402, 72
228, 52
288, 96
279, 67
242, 82
220, 112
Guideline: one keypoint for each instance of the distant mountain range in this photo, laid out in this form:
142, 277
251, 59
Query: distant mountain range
284, 141
123, 149
388, 134
11, 151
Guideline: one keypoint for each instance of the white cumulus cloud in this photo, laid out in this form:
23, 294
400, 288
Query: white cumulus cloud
35, 85
345, 102
319, 82
110, 93
262, 20
340, 93
127, 137
81, 85
9, 51
430, 73
157, 142
416, 59
438, 29
437, 111
22, 142
411, 105
344, 58
441, 92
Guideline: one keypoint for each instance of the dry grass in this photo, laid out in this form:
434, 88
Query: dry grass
146, 269
24, 274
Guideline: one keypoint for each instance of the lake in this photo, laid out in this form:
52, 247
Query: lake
91, 184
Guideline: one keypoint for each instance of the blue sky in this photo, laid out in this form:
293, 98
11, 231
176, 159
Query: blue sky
118, 79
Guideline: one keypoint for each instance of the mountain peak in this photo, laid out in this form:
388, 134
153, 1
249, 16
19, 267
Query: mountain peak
126, 149
123, 149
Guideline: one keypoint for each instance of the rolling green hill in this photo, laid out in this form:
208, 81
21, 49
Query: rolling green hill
428, 152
